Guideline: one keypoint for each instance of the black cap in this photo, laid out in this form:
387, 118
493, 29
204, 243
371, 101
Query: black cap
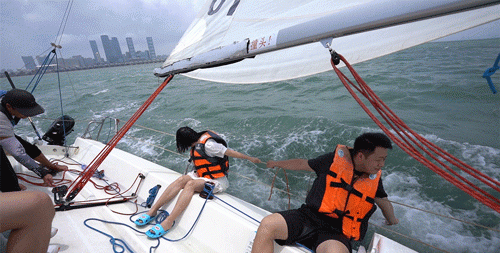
23, 102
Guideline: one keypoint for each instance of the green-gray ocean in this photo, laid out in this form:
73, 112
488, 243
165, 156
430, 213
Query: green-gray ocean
436, 88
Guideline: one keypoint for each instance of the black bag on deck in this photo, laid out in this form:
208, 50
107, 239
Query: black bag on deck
59, 129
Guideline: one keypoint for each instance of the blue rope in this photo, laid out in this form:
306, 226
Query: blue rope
237, 209
487, 74
41, 71
159, 219
196, 221
118, 244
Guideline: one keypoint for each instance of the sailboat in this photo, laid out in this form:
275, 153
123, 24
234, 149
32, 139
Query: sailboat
240, 42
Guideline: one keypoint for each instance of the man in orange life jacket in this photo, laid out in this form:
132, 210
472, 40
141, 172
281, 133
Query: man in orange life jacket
340, 202
209, 154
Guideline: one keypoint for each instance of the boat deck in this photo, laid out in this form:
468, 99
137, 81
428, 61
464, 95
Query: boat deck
226, 224
220, 228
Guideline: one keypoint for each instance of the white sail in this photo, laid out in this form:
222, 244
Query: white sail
282, 37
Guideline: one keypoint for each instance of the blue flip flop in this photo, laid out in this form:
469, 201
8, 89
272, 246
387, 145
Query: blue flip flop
156, 231
144, 220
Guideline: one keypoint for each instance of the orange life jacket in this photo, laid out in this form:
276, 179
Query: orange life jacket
353, 202
207, 166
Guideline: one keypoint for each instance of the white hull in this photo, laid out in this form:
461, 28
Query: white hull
220, 228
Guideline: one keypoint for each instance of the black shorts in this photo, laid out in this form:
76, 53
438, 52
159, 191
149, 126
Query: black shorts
306, 228
8, 177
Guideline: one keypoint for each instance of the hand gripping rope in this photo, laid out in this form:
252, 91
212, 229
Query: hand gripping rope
487, 74
408, 140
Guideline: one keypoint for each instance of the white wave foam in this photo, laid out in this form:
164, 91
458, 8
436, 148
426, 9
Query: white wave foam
444, 233
99, 92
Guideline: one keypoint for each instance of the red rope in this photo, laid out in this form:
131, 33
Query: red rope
287, 188
82, 179
406, 136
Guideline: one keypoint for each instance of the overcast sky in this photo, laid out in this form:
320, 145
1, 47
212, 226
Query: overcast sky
28, 26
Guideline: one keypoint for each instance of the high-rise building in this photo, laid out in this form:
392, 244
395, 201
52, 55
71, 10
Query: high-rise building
117, 49
151, 47
108, 50
95, 51
112, 49
40, 59
29, 62
131, 48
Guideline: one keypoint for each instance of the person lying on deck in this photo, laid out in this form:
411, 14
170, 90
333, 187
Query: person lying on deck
209, 155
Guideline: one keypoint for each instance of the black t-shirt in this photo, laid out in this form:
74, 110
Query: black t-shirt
321, 165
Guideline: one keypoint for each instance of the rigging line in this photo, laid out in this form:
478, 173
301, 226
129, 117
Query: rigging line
81, 181
403, 128
264, 184
41, 71
61, 103
405, 146
408, 237
46, 50
412, 151
156, 146
233, 172
444, 216
64, 21
154, 130
287, 188
431, 146
407, 149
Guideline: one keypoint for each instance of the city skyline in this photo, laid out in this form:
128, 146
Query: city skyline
112, 54
30, 26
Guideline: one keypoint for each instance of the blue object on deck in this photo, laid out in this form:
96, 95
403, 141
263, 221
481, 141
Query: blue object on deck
487, 74
152, 195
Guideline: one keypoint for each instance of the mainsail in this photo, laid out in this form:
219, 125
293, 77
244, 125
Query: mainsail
282, 40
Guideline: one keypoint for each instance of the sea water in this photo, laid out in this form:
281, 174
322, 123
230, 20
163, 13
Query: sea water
436, 88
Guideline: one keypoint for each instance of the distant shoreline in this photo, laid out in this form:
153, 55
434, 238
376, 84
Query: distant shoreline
26, 72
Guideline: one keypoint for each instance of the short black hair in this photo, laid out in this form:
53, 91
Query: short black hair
185, 137
367, 142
